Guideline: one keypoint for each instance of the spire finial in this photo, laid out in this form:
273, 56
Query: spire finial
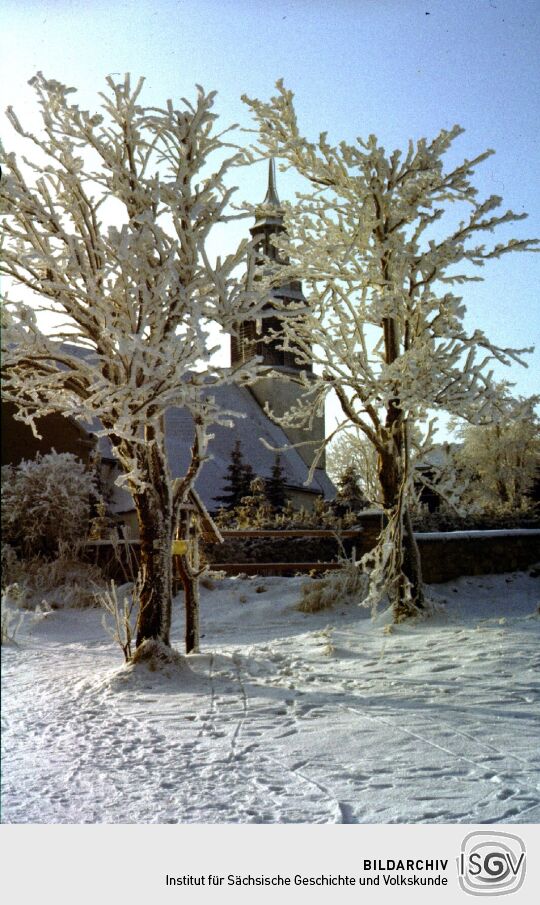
271, 195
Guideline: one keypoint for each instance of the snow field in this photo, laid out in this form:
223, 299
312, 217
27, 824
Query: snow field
284, 717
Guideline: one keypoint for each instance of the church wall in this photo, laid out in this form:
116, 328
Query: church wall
301, 499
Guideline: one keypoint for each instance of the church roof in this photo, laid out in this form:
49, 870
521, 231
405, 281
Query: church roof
251, 429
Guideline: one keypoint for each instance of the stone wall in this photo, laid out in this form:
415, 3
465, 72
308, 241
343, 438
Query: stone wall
448, 555
285, 548
444, 555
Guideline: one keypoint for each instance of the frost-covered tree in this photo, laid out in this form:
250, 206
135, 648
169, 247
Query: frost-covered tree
254, 509
350, 488
502, 461
383, 326
351, 449
46, 503
107, 228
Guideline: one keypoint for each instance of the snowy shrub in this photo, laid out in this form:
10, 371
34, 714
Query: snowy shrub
210, 578
17, 594
326, 641
155, 655
346, 584
46, 502
255, 512
11, 622
64, 582
119, 604
483, 519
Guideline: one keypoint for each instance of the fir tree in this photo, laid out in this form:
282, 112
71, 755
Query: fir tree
276, 487
239, 476
350, 488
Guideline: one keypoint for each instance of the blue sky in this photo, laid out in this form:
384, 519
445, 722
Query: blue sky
399, 68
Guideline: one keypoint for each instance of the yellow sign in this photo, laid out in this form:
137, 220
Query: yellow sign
179, 547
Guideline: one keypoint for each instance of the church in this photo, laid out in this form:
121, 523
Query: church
255, 429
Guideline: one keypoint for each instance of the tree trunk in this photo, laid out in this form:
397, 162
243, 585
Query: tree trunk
189, 568
412, 566
407, 573
154, 513
405, 584
190, 584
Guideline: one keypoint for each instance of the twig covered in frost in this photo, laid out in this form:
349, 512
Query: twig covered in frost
120, 610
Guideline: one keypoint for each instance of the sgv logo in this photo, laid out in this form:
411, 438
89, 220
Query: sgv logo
491, 864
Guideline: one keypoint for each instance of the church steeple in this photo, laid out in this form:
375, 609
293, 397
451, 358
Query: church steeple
279, 388
259, 338
269, 216
271, 196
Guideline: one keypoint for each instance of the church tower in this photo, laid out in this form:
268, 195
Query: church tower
251, 338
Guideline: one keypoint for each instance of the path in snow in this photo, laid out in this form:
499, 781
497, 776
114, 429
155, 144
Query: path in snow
283, 719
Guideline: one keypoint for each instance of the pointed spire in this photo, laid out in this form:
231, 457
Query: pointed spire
272, 195
272, 219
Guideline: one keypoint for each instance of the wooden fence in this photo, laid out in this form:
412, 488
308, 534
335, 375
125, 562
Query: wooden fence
115, 557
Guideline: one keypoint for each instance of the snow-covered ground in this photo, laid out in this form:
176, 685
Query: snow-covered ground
284, 717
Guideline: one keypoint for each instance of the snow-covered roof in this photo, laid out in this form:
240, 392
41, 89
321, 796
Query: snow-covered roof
251, 429
438, 456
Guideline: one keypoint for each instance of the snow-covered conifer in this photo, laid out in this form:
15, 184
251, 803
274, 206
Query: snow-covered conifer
350, 493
